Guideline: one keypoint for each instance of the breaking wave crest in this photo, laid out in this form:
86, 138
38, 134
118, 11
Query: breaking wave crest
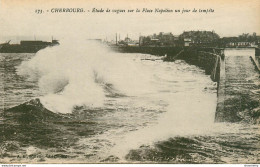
79, 75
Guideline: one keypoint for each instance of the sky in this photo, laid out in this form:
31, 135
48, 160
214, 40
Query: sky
18, 19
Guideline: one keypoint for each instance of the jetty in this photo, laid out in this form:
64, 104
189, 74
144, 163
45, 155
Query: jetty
26, 46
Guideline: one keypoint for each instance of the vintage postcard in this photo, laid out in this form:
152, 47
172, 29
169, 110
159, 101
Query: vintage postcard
129, 82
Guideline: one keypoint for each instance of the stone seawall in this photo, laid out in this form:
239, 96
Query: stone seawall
209, 60
257, 52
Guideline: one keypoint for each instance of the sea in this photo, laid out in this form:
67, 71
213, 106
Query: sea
108, 107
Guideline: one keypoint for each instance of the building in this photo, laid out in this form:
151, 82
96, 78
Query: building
128, 42
241, 44
187, 41
161, 39
244, 40
199, 38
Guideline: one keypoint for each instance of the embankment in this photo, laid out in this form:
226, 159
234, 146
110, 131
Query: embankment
257, 52
207, 59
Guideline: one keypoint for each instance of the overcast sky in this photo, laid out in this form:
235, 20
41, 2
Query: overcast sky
230, 18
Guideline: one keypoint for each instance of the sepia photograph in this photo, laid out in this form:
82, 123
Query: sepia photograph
130, 82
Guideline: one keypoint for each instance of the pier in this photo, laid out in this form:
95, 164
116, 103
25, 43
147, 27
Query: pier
238, 91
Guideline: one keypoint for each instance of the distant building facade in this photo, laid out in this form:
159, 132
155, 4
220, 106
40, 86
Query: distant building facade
128, 42
161, 39
187, 38
244, 40
199, 38
192, 38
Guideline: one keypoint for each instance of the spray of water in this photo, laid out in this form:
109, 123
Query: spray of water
186, 115
76, 75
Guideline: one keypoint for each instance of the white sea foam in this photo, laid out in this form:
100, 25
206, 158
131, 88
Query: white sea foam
75, 74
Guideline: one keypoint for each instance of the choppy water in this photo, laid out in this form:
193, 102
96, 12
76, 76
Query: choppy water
117, 107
